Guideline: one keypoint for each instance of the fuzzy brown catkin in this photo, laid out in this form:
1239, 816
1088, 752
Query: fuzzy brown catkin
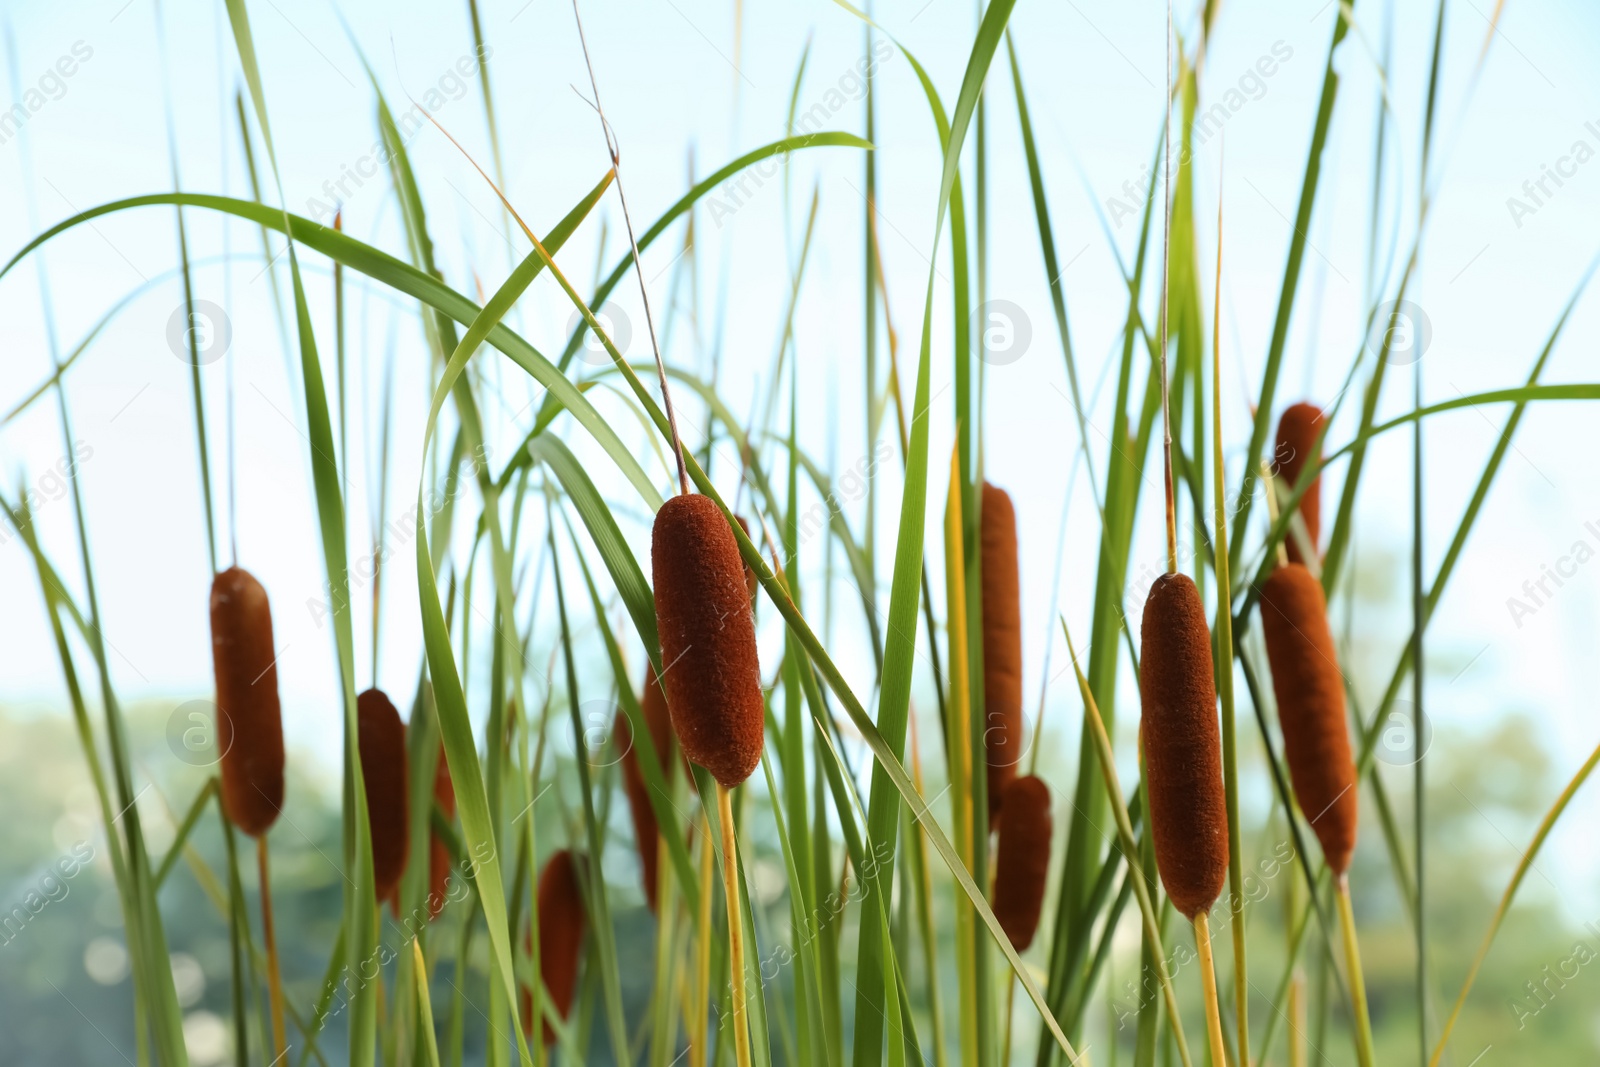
560, 915
249, 719
1022, 860
708, 638
1311, 709
381, 740
1182, 745
1002, 643
1298, 428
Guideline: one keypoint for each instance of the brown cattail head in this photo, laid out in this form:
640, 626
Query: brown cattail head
1310, 691
249, 720
444, 794
1182, 745
381, 740
653, 705
1022, 860
1298, 428
1002, 643
560, 916
708, 638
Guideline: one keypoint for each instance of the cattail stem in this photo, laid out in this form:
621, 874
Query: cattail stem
702, 985
1297, 1020
1011, 993
274, 981
730, 883
1358, 984
1208, 984
1293, 907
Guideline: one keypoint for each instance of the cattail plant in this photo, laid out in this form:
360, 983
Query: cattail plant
444, 795
1310, 691
250, 736
1299, 429
1022, 860
1178, 726
560, 915
713, 677
381, 741
653, 706
1002, 643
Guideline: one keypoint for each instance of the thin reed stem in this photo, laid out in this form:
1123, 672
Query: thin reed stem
1166, 285
730, 884
638, 268
1230, 748
274, 981
1358, 984
702, 984
1208, 984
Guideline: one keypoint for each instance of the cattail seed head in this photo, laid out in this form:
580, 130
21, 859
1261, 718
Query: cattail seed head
1022, 861
1311, 711
381, 740
1182, 745
249, 720
444, 794
1002, 643
1298, 428
653, 705
708, 638
560, 915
